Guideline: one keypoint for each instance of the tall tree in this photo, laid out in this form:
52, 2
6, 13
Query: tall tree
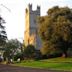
55, 29
13, 46
3, 35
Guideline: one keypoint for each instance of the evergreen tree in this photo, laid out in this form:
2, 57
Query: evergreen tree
3, 35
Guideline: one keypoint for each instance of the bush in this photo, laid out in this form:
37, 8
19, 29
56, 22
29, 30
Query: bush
29, 52
38, 56
44, 57
54, 55
17, 56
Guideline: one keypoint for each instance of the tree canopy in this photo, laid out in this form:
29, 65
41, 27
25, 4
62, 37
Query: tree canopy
3, 35
55, 29
13, 46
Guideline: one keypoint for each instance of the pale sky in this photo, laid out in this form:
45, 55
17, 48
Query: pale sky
14, 13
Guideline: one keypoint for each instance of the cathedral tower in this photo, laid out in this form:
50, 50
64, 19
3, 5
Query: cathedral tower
31, 35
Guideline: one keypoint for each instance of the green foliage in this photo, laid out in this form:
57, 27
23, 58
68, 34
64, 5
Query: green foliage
29, 51
3, 35
11, 49
17, 56
55, 29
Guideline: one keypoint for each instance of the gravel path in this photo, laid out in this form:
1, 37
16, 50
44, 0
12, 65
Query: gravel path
8, 68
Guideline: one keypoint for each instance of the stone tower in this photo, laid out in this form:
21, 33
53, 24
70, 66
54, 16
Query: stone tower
31, 35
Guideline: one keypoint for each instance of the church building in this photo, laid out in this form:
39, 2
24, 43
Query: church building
31, 30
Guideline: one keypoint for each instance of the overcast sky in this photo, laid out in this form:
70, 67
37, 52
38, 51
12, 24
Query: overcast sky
13, 11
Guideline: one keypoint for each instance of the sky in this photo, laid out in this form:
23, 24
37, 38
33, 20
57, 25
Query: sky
13, 12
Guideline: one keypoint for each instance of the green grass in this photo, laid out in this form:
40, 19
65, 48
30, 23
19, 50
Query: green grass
55, 64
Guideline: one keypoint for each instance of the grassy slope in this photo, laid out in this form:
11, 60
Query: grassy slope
56, 63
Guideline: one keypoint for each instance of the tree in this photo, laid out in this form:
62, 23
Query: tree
3, 35
55, 29
29, 51
13, 46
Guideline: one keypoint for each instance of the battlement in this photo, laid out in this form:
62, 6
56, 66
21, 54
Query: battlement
30, 10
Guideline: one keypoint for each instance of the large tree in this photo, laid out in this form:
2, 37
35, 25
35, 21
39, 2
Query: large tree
3, 35
55, 29
13, 47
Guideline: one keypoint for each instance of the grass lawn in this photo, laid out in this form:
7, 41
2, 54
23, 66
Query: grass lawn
55, 64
